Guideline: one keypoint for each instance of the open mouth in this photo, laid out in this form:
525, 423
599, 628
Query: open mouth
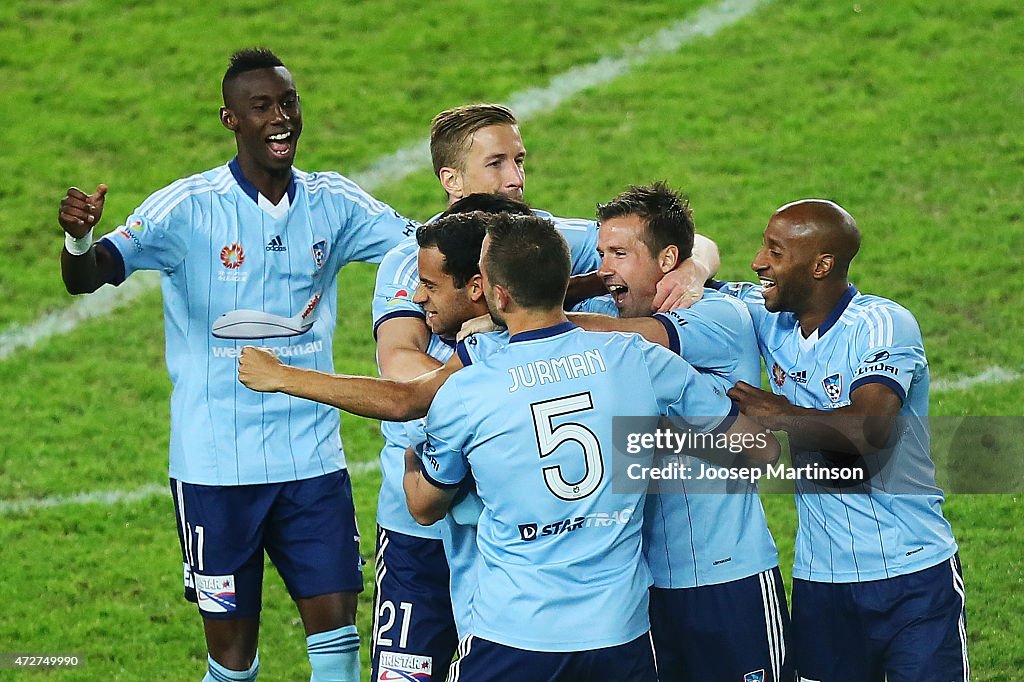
280, 144
618, 292
767, 284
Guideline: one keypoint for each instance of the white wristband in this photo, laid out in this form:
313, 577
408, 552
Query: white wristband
80, 246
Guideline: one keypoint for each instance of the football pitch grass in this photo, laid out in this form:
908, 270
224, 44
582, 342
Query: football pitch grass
907, 113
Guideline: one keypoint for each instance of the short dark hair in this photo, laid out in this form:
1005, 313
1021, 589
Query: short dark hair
458, 237
666, 212
248, 59
528, 256
489, 203
452, 130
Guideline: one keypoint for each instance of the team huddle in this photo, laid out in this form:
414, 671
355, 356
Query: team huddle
509, 544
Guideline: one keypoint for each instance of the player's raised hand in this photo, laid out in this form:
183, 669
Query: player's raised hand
80, 212
260, 370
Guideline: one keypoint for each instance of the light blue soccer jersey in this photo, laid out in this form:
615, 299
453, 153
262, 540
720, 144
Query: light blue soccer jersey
226, 253
848, 535
560, 565
399, 276
709, 531
397, 279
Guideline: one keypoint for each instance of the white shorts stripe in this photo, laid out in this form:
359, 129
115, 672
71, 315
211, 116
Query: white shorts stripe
958, 587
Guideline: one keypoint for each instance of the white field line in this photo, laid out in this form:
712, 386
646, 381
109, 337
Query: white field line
402, 163
111, 497
992, 375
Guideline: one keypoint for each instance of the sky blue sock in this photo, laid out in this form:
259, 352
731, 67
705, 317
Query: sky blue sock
217, 673
334, 655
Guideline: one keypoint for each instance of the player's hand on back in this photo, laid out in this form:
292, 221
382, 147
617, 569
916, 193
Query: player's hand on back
260, 370
80, 212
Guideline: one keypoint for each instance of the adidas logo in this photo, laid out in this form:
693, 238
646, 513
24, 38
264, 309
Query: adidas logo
799, 377
276, 244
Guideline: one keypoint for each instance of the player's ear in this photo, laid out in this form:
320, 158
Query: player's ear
823, 265
451, 181
668, 259
475, 286
228, 119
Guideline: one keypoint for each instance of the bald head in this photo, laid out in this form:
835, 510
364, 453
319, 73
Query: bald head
824, 224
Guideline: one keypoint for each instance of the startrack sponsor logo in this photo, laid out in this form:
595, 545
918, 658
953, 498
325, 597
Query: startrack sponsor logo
532, 531
280, 351
216, 593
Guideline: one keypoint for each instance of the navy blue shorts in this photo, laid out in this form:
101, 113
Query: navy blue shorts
731, 631
307, 528
904, 629
482, 661
413, 628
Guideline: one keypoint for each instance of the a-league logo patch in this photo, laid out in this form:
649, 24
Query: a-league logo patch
396, 666
833, 385
216, 593
755, 676
778, 374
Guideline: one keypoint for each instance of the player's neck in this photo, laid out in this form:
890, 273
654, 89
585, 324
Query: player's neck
820, 306
526, 320
271, 183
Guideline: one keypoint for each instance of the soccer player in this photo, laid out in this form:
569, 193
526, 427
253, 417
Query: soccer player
718, 605
251, 250
878, 591
562, 586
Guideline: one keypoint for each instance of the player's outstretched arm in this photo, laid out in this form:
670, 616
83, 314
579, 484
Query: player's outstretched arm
684, 286
647, 327
386, 399
427, 502
85, 267
859, 429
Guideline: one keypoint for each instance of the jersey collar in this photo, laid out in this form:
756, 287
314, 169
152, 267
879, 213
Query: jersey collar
838, 311
250, 188
543, 333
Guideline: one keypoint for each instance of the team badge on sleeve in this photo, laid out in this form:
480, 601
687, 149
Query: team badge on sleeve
756, 676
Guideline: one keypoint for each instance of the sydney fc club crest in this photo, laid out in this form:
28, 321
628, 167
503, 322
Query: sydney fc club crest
319, 254
833, 385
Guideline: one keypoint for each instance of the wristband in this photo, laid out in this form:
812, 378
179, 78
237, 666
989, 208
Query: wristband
79, 246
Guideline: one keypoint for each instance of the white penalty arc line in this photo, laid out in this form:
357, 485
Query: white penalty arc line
112, 497
398, 165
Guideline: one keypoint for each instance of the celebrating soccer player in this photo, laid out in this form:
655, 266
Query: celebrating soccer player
251, 250
878, 590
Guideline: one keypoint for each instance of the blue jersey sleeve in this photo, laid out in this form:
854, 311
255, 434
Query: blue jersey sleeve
397, 279
371, 227
715, 335
888, 346
751, 295
448, 430
151, 242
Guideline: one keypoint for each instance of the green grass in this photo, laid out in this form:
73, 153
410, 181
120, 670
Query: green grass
907, 113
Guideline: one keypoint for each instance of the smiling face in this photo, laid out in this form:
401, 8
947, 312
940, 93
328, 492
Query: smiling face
262, 109
494, 164
446, 306
785, 266
629, 271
